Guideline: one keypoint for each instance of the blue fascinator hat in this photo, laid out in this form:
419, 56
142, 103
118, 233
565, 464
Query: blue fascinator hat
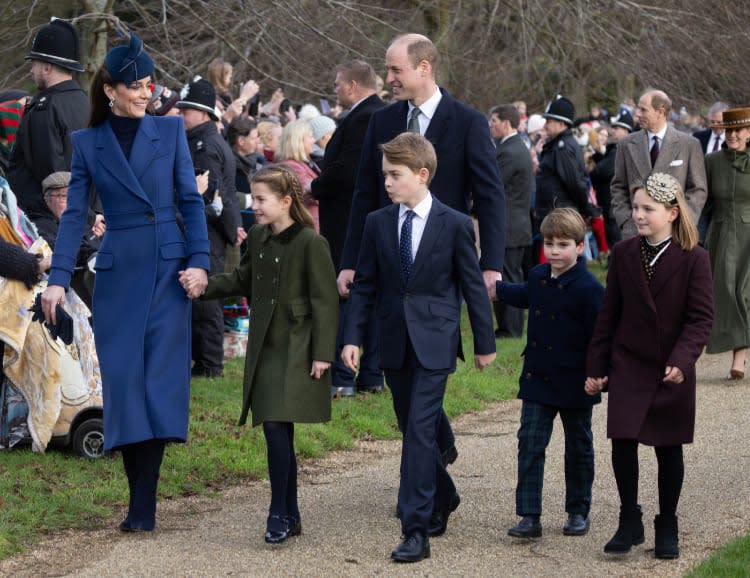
129, 62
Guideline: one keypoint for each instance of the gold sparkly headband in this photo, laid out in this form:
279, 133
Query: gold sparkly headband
662, 188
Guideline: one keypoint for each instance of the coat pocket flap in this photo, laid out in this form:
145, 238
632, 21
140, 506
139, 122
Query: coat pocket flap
173, 251
444, 310
104, 261
300, 308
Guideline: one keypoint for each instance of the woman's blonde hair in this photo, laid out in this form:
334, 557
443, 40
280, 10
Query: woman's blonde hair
265, 130
684, 231
217, 71
283, 182
292, 143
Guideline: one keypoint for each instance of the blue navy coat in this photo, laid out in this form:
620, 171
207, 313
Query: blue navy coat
427, 308
562, 314
141, 313
467, 176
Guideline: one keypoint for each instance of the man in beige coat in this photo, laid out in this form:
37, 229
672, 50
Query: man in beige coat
657, 147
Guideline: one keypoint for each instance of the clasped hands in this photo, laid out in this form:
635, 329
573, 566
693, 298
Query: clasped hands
594, 385
194, 281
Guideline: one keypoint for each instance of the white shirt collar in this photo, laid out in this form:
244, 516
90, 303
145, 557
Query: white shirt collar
422, 209
514, 133
660, 134
429, 106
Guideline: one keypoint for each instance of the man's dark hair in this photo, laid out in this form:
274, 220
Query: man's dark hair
507, 112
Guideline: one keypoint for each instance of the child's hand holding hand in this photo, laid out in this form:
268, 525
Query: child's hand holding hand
595, 385
482, 361
350, 356
673, 374
319, 368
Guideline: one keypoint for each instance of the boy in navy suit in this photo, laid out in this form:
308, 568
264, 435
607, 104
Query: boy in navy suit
417, 260
563, 299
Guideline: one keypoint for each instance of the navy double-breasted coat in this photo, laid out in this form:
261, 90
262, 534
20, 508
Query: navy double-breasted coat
141, 312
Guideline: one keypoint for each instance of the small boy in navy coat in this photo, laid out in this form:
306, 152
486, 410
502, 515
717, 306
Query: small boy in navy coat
563, 299
416, 262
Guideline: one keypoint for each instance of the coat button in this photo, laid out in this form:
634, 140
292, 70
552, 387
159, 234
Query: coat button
260, 256
273, 301
528, 375
276, 259
549, 348
537, 312
543, 282
533, 344
551, 316
150, 217
259, 276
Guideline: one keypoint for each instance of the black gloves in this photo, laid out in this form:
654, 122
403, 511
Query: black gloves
64, 326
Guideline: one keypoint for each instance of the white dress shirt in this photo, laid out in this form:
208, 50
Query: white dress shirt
427, 110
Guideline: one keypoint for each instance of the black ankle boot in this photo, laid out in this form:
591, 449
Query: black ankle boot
629, 532
666, 541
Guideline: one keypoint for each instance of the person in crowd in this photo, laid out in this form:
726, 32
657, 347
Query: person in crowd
322, 130
295, 150
514, 162
468, 176
140, 166
417, 262
603, 171
269, 135
242, 136
289, 278
658, 147
43, 144
711, 139
163, 101
565, 299
561, 180
655, 319
356, 89
11, 112
210, 152
728, 241
219, 74
17, 263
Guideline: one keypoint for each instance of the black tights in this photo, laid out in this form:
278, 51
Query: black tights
282, 468
671, 474
142, 463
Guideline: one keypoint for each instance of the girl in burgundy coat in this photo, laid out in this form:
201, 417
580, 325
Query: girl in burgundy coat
655, 319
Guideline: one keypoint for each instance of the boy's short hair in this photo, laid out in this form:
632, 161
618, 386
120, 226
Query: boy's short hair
412, 150
564, 223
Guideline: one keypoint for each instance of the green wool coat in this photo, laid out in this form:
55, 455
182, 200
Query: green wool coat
290, 283
728, 244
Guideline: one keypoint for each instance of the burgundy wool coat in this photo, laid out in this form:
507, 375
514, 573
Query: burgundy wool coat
641, 329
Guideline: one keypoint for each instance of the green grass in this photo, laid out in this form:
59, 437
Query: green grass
730, 561
41, 494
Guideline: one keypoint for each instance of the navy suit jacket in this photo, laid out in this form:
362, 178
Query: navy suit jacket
466, 171
427, 308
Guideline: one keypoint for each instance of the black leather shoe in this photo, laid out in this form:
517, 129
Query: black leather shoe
413, 548
528, 527
294, 524
277, 530
629, 532
576, 525
450, 455
666, 541
369, 389
439, 519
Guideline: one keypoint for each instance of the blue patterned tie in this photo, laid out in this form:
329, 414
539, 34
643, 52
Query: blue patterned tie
405, 245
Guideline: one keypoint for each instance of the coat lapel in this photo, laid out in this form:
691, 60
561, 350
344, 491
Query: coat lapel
668, 152
145, 147
433, 228
112, 159
640, 152
391, 239
441, 120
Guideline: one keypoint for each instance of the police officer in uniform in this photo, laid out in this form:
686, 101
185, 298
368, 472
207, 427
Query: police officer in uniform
60, 107
210, 152
561, 180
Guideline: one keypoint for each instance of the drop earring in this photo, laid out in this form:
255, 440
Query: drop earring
111, 102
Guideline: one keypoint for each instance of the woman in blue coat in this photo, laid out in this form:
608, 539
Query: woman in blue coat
141, 168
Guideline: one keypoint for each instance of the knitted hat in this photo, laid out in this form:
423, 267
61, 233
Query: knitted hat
129, 62
57, 43
321, 126
56, 180
561, 109
10, 119
200, 95
163, 99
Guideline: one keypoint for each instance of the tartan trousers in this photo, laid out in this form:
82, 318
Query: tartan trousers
533, 436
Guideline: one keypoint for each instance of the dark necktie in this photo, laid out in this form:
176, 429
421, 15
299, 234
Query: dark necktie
413, 125
655, 151
716, 143
405, 245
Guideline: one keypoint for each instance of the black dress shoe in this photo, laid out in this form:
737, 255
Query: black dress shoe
294, 524
450, 455
528, 527
439, 519
576, 525
127, 526
413, 548
277, 529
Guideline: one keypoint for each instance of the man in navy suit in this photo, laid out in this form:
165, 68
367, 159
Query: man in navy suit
417, 261
356, 87
467, 176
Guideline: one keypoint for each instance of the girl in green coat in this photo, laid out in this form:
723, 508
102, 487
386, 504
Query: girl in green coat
289, 279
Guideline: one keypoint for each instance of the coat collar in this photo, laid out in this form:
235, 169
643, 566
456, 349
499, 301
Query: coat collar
111, 157
284, 237
669, 262
571, 275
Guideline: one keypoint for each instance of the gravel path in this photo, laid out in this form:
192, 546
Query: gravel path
348, 498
